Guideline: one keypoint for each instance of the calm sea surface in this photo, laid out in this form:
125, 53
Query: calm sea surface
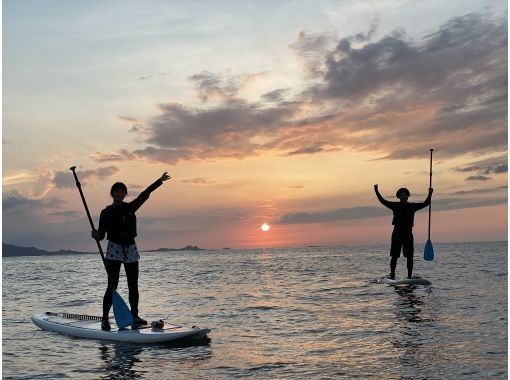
274, 314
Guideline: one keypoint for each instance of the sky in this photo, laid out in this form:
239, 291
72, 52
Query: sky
285, 113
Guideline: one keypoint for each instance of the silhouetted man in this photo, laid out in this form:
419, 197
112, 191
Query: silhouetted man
403, 220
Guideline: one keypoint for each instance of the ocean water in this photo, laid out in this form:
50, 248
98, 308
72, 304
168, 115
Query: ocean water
305, 313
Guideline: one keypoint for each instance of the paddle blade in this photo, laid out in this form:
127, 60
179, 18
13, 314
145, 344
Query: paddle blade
428, 253
121, 311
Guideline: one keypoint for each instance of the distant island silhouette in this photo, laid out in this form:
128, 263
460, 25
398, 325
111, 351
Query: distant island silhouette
187, 248
10, 250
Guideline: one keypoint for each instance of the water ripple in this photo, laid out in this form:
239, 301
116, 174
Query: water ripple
282, 313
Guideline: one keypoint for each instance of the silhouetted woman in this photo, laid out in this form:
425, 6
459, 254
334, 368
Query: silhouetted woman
118, 222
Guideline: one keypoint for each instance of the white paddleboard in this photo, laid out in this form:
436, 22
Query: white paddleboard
81, 327
402, 281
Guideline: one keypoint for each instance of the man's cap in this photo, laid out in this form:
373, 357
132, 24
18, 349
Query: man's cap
403, 190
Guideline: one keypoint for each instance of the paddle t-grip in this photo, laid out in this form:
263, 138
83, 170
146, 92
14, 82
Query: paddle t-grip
78, 184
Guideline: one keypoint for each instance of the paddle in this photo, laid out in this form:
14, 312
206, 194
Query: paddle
428, 253
121, 311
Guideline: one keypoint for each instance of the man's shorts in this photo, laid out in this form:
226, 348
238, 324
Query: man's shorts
402, 240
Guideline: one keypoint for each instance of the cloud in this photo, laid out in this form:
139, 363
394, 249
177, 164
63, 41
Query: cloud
307, 150
429, 64
446, 87
311, 48
221, 86
135, 124
364, 212
461, 203
41, 223
66, 229
17, 178
478, 178
48, 179
394, 97
149, 76
230, 130
361, 212
109, 157
200, 181
65, 179
129, 120
496, 169
70, 214
43, 184
275, 96
495, 165
13, 199
200, 220
236, 129
103, 172
481, 191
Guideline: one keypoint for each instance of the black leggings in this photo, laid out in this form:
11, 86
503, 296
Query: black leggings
113, 268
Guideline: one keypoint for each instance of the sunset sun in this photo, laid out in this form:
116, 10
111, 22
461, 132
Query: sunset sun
265, 227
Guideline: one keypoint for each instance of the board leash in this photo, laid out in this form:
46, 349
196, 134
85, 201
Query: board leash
82, 317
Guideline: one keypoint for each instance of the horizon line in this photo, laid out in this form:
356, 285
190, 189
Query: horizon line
262, 248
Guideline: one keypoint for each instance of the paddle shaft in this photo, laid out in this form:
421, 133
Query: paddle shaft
78, 185
430, 186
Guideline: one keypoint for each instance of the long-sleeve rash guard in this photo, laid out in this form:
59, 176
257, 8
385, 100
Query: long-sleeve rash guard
118, 221
403, 212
